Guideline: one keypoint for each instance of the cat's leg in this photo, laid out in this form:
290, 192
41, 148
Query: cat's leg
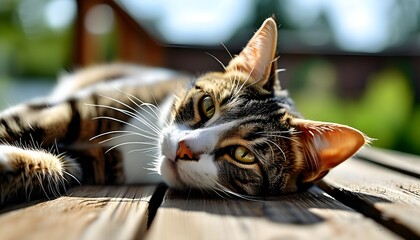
67, 127
29, 167
27, 174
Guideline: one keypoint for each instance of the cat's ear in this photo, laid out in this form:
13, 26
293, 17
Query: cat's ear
258, 57
325, 145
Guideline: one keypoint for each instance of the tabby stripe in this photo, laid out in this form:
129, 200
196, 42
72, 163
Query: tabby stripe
114, 172
9, 131
33, 135
186, 113
37, 106
265, 183
109, 166
238, 186
73, 129
225, 100
86, 163
257, 119
95, 99
17, 119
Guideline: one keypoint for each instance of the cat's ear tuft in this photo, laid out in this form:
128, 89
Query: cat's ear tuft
257, 58
325, 145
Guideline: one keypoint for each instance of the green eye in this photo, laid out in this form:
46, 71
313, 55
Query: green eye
207, 107
243, 155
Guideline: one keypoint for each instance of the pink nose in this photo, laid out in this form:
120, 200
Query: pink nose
184, 151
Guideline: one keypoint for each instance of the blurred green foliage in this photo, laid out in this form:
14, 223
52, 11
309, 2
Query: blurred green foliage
385, 111
39, 53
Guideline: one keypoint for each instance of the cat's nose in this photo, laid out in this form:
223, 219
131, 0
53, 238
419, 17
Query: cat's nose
184, 152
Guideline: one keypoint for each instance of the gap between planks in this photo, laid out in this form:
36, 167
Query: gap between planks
389, 197
308, 215
121, 212
405, 163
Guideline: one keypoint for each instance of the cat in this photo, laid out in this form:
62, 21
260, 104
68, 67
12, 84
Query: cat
234, 131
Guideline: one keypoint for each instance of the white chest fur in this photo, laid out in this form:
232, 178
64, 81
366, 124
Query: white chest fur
139, 143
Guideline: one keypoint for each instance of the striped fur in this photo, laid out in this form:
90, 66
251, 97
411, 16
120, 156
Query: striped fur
60, 128
235, 132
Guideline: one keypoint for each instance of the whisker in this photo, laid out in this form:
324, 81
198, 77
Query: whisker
73, 177
218, 193
145, 150
41, 185
153, 137
128, 143
116, 137
227, 50
246, 80
229, 192
126, 135
157, 131
145, 121
276, 145
281, 136
135, 111
118, 101
149, 106
156, 106
278, 134
224, 67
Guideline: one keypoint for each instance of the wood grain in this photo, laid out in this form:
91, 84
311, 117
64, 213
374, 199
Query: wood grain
372, 190
298, 216
392, 198
86, 213
402, 162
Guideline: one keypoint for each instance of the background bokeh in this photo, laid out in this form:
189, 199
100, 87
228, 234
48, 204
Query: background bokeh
354, 62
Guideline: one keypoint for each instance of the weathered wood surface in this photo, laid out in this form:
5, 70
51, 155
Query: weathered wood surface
308, 215
390, 197
86, 213
397, 161
368, 198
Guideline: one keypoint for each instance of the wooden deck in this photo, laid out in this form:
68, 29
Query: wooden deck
375, 195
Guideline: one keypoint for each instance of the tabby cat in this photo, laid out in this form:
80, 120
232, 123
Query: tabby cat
234, 131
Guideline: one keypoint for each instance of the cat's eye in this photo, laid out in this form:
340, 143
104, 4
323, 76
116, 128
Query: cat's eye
207, 107
243, 155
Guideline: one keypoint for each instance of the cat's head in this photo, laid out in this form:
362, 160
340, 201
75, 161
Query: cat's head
238, 131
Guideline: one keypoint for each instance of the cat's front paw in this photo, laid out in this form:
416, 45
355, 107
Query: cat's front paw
27, 174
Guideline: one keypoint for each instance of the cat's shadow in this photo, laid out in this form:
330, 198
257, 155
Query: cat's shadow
309, 207
12, 206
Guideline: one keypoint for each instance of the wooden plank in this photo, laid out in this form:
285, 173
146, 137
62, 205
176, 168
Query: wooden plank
297, 216
87, 212
390, 197
402, 162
